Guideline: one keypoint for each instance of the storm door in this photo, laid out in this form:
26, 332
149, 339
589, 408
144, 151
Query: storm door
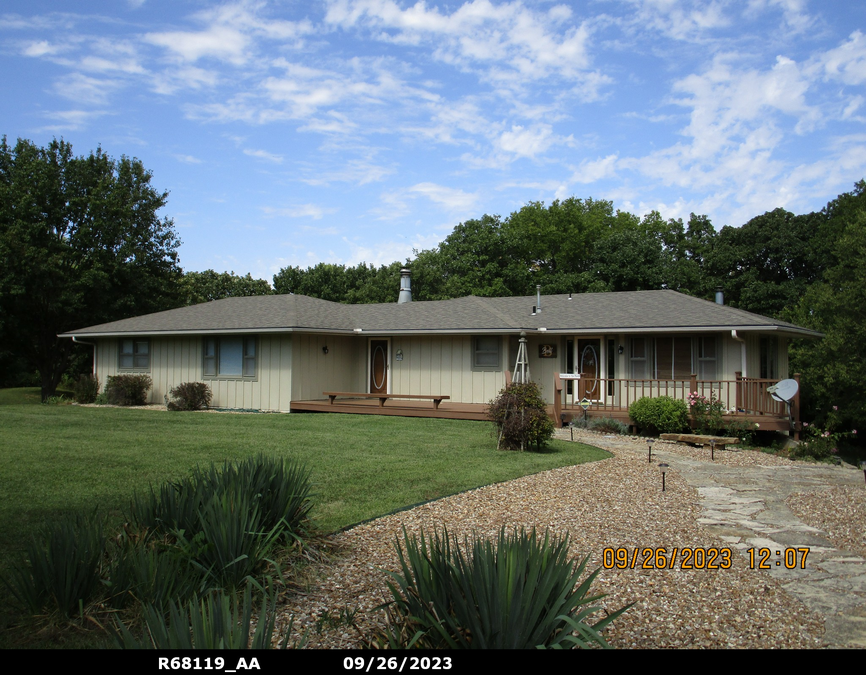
378, 366
589, 366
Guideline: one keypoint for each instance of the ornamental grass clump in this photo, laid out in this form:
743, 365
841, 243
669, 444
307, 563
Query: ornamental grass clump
519, 592
520, 419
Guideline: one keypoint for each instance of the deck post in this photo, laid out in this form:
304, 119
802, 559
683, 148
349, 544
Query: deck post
795, 408
740, 405
557, 399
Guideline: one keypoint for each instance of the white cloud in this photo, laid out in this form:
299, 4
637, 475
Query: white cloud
847, 62
220, 42
71, 120
84, 89
187, 159
387, 251
527, 142
506, 42
264, 154
313, 211
592, 171
41, 48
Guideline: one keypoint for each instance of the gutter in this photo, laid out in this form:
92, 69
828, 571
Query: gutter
742, 342
90, 344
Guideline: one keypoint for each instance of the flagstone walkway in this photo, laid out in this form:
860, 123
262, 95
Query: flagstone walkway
743, 502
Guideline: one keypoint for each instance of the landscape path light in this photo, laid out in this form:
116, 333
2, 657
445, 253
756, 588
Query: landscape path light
863, 466
664, 469
649, 445
713, 449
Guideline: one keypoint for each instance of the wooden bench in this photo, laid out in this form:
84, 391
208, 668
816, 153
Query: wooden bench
437, 399
697, 439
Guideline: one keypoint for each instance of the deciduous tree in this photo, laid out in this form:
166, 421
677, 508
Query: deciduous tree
80, 244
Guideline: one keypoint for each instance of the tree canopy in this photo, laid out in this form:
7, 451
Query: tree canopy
80, 243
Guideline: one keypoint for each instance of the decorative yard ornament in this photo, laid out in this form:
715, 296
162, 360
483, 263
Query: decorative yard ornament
521, 366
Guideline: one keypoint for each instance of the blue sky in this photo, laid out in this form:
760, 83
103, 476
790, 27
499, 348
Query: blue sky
290, 133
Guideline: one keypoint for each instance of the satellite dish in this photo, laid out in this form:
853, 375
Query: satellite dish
784, 391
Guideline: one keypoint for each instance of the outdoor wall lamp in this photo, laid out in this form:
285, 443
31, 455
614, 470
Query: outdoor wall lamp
325, 349
620, 350
649, 445
664, 469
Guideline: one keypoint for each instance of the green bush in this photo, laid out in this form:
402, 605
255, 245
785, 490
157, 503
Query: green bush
86, 389
127, 389
661, 414
190, 396
63, 574
520, 418
520, 593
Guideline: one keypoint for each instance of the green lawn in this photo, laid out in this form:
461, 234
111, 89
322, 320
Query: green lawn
57, 458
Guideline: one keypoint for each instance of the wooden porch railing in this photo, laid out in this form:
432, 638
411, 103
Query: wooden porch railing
743, 396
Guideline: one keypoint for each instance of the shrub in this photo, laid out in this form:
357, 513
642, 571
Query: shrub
127, 389
64, 570
86, 389
608, 425
519, 414
707, 412
520, 593
190, 396
661, 414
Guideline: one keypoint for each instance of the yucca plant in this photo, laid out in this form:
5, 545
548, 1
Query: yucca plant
63, 574
151, 573
218, 620
521, 592
281, 489
228, 541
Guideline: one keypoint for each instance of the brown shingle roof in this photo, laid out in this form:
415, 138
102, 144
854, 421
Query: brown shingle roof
647, 311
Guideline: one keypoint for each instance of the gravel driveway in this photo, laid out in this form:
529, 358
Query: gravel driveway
615, 503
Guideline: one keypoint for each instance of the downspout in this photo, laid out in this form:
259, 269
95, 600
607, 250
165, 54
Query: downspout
90, 344
742, 342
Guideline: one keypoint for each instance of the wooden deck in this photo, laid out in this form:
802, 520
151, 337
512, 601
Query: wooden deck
395, 406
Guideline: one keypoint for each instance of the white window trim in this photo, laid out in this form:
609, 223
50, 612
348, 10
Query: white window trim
244, 360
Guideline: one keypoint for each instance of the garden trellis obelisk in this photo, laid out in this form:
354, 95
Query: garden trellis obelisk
521, 376
521, 365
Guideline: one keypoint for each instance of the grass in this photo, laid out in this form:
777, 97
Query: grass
59, 459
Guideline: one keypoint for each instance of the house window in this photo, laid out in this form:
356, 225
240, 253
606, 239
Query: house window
486, 352
673, 358
707, 357
134, 354
637, 352
769, 358
229, 357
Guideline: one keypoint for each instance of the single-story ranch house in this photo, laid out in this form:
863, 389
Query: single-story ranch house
288, 352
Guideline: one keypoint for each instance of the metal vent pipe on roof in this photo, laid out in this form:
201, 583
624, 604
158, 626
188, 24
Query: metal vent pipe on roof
405, 286
720, 295
538, 298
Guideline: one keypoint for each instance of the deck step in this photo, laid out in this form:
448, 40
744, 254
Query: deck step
699, 439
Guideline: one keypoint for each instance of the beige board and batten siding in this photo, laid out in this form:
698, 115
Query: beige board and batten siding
343, 368
442, 365
178, 359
